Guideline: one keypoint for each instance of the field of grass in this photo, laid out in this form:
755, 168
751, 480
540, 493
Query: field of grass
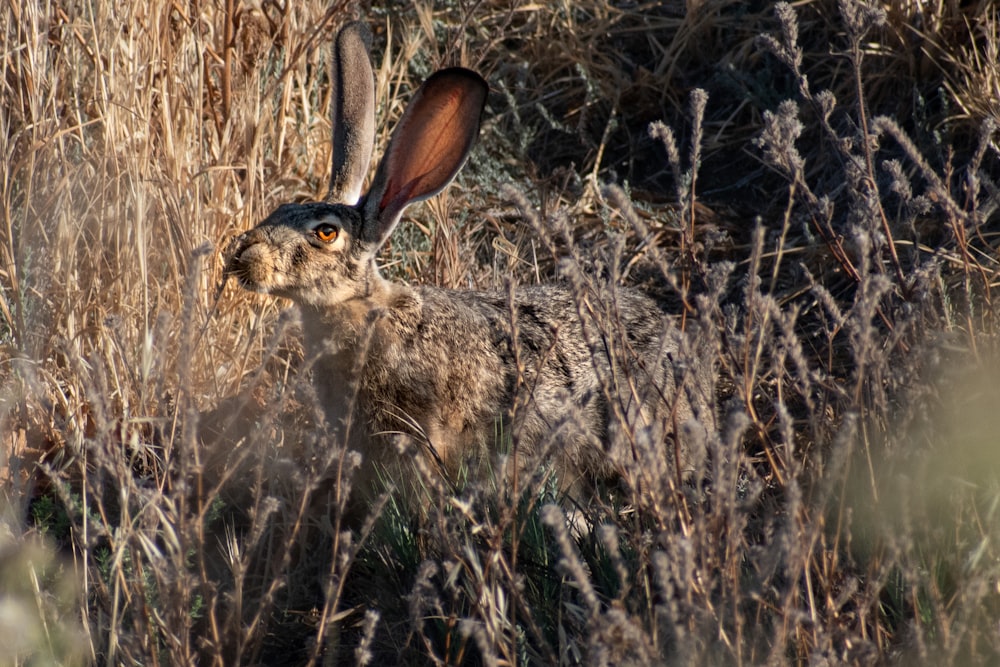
814, 189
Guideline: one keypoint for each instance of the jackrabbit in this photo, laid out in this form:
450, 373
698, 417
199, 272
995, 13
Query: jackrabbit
449, 369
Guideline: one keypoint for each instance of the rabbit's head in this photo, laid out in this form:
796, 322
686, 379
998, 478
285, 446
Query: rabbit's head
323, 253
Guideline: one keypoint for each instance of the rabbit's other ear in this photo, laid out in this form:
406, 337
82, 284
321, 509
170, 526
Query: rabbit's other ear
428, 147
353, 112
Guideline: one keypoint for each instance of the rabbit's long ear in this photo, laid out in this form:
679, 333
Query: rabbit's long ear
428, 147
353, 113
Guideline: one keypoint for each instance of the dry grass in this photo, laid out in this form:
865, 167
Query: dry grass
161, 478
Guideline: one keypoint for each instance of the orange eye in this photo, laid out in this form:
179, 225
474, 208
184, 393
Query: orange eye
326, 232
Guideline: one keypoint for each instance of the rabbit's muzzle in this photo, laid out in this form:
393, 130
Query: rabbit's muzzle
252, 262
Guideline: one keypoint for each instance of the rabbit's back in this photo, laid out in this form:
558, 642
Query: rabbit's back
465, 371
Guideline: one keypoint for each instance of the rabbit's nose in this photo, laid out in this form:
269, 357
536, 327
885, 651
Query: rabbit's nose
234, 252
242, 253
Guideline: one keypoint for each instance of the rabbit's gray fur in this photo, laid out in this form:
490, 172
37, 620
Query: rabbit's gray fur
440, 365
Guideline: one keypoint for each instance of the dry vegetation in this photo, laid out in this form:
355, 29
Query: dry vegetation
825, 210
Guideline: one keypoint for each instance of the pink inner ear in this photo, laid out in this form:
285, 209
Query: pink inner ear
433, 139
399, 196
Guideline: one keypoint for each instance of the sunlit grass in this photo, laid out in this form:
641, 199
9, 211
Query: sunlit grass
167, 493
